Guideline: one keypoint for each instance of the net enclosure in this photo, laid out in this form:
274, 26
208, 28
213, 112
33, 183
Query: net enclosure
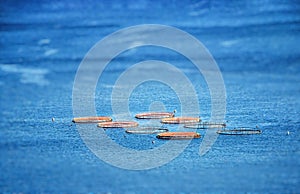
154, 115
239, 131
181, 120
205, 125
118, 124
147, 130
96, 119
178, 135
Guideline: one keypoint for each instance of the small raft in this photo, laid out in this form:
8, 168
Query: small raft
205, 125
91, 119
154, 115
178, 135
118, 124
181, 120
239, 131
147, 130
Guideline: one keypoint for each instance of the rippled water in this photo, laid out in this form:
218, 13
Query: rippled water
254, 43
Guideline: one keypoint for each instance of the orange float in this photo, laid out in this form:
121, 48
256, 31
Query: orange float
91, 119
154, 115
178, 135
180, 120
118, 124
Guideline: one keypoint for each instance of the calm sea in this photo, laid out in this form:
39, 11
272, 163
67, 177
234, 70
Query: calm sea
255, 44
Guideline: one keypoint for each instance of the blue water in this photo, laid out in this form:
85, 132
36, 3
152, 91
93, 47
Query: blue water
255, 44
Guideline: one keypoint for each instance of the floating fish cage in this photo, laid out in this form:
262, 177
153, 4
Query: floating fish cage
178, 135
118, 124
154, 115
91, 119
205, 125
147, 130
239, 131
181, 120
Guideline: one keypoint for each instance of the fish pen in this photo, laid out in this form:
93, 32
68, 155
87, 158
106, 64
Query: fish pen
178, 135
96, 119
205, 125
154, 115
181, 120
239, 131
146, 130
118, 124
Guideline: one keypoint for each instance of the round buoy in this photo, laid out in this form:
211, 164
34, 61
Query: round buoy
178, 135
181, 120
118, 124
91, 119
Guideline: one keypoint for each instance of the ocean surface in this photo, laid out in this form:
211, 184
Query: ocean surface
255, 44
